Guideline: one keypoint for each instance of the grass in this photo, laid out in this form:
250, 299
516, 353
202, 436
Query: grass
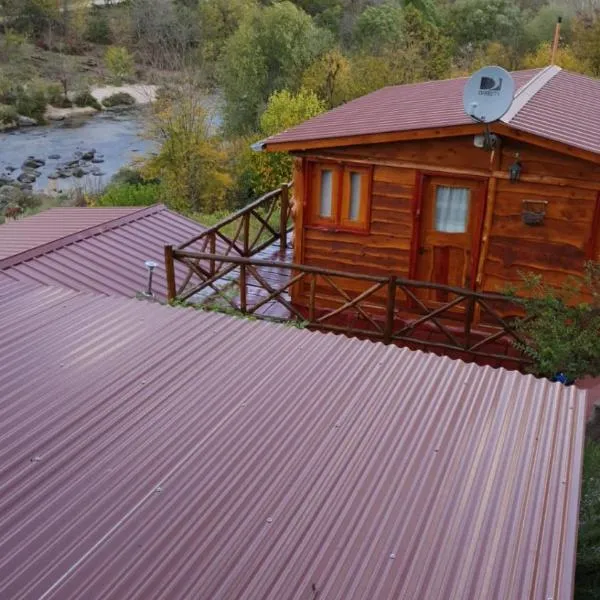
587, 578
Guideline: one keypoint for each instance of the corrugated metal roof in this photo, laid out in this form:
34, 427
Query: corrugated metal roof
157, 452
398, 108
563, 108
108, 259
566, 109
53, 224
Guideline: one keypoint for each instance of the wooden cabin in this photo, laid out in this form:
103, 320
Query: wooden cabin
398, 183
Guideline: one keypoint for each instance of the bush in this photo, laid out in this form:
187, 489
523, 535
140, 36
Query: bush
120, 63
98, 28
561, 334
119, 99
130, 195
31, 103
86, 99
8, 114
130, 176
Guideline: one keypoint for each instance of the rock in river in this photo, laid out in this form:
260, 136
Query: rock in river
26, 178
23, 121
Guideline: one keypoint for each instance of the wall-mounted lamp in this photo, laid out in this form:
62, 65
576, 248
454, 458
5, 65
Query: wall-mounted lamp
150, 265
515, 169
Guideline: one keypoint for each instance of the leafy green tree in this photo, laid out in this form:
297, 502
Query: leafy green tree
379, 28
120, 63
269, 52
586, 41
565, 58
478, 22
540, 28
330, 78
191, 164
265, 171
219, 20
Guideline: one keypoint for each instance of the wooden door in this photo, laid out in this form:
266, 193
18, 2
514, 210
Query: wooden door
450, 224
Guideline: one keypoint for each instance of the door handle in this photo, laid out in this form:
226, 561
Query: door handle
422, 250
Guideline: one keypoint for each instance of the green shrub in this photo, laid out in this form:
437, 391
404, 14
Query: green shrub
98, 28
587, 578
130, 195
129, 176
8, 114
54, 94
120, 63
31, 103
561, 332
119, 99
86, 99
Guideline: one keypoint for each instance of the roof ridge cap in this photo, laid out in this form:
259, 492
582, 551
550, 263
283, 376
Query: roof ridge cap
15, 259
529, 90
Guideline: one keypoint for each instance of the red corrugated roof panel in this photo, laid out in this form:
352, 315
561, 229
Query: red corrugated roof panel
566, 109
156, 452
53, 224
109, 258
391, 109
558, 106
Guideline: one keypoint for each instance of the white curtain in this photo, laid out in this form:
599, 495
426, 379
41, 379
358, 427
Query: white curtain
326, 193
451, 209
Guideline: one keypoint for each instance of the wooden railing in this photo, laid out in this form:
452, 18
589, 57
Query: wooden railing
389, 309
245, 233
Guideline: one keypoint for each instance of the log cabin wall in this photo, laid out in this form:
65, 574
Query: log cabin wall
569, 235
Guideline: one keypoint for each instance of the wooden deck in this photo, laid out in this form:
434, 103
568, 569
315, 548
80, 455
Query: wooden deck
253, 274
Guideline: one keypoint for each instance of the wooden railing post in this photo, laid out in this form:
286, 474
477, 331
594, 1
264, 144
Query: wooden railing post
246, 234
243, 289
213, 250
283, 217
170, 273
390, 311
469, 321
311, 299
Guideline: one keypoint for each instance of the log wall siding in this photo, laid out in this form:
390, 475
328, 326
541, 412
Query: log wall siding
556, 249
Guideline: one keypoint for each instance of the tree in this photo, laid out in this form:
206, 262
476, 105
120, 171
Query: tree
478, 22
565, 58
265, 171
269, 52
379, 28
120, 63
540, 29
191, 163
586, 41
163, 32
219, 20
330, 78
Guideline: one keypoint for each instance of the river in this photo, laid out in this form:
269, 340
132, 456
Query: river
117, 136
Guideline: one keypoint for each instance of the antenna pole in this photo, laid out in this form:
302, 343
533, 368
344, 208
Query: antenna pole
555, 42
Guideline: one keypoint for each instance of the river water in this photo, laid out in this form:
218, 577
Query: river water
115, 135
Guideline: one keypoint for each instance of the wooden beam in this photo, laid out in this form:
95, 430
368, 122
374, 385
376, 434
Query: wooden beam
536, 140
487, 227
460, 172
375, 138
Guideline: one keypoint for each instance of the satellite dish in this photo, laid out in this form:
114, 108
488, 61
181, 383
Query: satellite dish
489, 94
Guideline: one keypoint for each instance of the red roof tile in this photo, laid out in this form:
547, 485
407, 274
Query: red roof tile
109, 258
53, 224
551, 103
155, 452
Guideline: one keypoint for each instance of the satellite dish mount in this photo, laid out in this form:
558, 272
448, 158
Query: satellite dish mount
487, 97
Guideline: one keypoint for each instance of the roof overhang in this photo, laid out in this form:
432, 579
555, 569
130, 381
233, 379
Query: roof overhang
499, 128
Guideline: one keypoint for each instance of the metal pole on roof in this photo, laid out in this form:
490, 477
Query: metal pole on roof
555, 42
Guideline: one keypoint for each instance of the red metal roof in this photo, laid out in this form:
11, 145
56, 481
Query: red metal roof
157, 452
108, 258
53, 224
551, 103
